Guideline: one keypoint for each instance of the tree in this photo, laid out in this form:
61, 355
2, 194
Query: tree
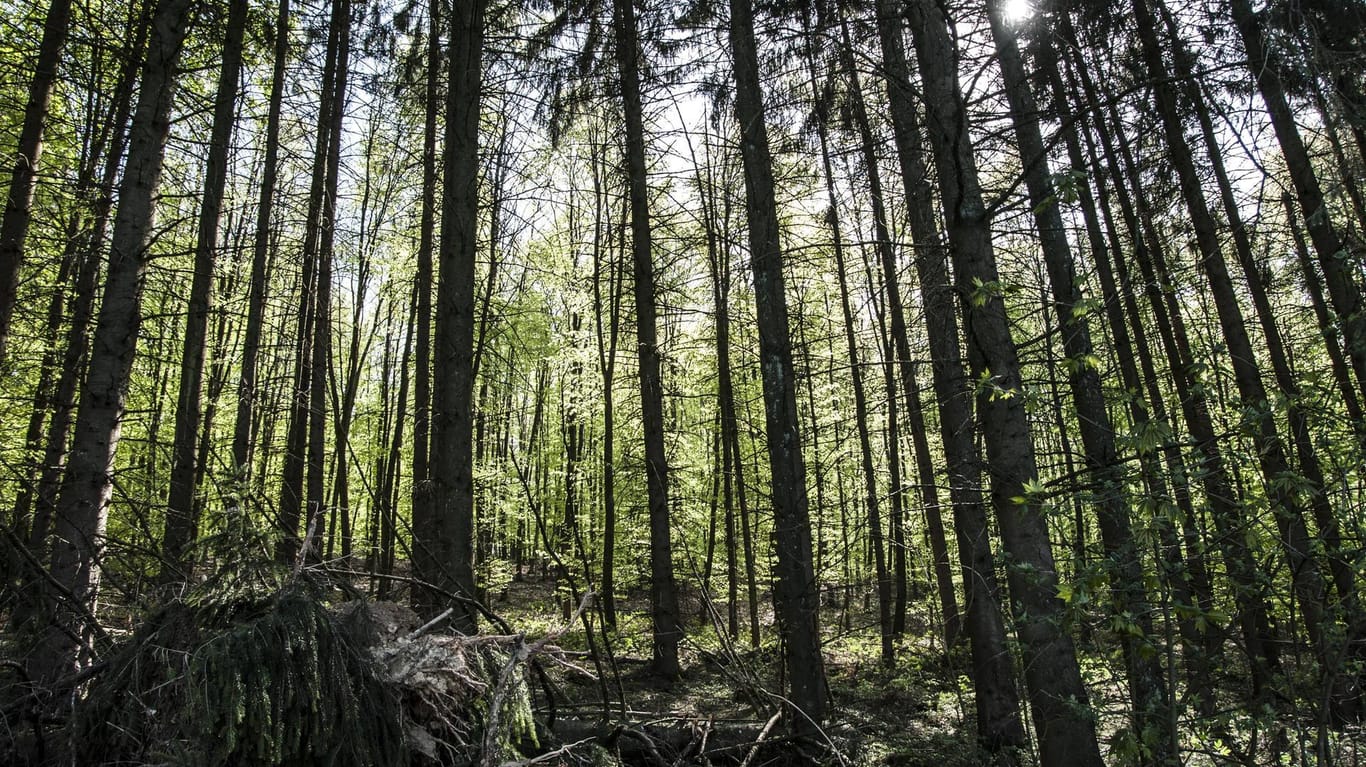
1066, 733
82, 507
795, 596
181, 521
28, 157
451, 537
663, 593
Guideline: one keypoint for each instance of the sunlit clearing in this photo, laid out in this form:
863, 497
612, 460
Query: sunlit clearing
1018, 10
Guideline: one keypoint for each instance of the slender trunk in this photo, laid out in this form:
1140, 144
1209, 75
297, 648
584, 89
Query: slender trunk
832, 219
28, 158
181, 524
904, 367
1209, 464
1127, 346
423, 513
86, 235
795, 595
1307, 581
321, 349
663, 593
1314, 286
296, 458
607, 363
247, 395
451, 538
1314, 487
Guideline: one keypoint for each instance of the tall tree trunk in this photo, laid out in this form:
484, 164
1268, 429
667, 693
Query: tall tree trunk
795, 595
82, 509
86, 238
905, 369
296, 458
1314, 286
247, 394
1195, 411
663, 593
1311, 472
1153, 722
1127, 347
181, 523
607, 364
452, 458
1343, 289
1058, 696
832, 219
423, 512
999, 723
28, 157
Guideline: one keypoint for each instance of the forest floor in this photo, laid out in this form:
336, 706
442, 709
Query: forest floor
918, 713
597, 689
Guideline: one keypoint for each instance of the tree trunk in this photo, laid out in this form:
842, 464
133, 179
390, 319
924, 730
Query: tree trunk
1149, 425
1065, 728
452, 458
795, 594
296, 458
28, 157
607, 363
1307, 581
664, 615
832, 219
181, 524
423, 513
83, 501
247, 394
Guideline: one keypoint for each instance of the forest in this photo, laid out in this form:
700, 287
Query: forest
683, 382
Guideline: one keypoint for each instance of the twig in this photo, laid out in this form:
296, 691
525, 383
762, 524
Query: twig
768, 727
429, 625
561, 751
814, 724
309, 535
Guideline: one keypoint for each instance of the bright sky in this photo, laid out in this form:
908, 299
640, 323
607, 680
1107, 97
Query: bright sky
1017, 10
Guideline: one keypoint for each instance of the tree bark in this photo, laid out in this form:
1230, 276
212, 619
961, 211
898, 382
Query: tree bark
82, 509
1064, 725
664, 617
452, 458
795, 595
28, 158
247, 394
181, 523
